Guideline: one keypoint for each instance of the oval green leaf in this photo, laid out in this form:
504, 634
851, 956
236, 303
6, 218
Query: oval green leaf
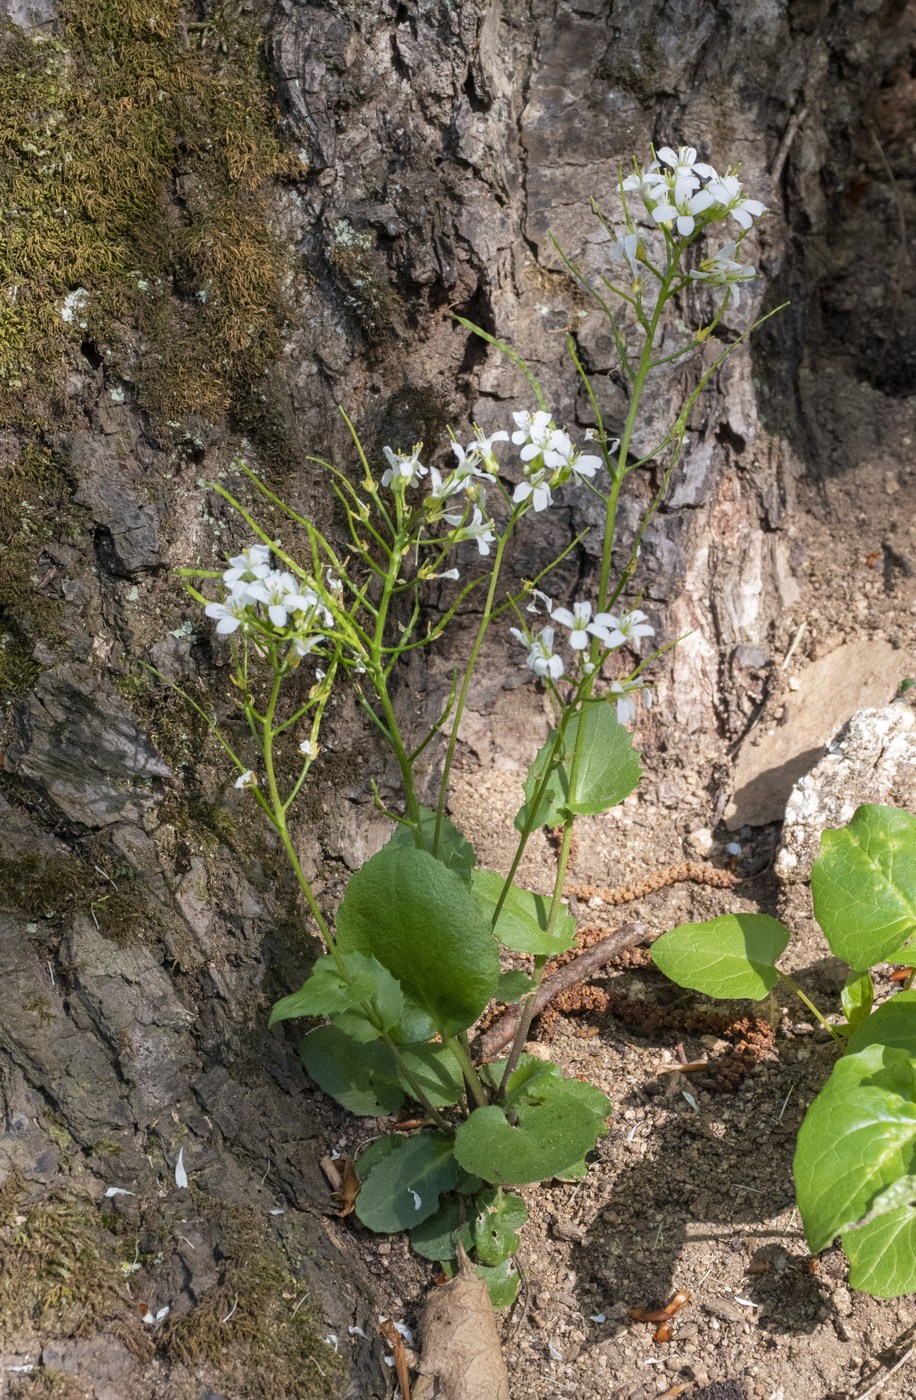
329, 991
863, 885
360, 1077
732, 956
421, 921
609, 770
453, 849
555, 1126
858, 1139
403, 1187
522, 923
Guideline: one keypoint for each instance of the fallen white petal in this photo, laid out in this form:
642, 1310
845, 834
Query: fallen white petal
331, 1340
118, 1191
278, 1212
598, 1317
181, 1176
357, 1332
691, 1100
554, 1354
745, 1302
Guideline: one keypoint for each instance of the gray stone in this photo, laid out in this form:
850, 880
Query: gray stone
873, 759
853, 677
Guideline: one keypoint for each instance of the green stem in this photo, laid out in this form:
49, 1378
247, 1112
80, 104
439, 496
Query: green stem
415, 1089
811, 1007
465, 687
472, 1079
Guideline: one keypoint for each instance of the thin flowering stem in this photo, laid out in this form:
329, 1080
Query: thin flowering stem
510, 354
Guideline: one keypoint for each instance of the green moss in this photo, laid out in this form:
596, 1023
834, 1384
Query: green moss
40, 886
272, 1343
34, 508
59, 1273
138, 157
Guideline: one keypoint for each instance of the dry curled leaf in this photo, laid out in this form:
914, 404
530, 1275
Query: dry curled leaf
394, 1339
462, 1358
349, 1188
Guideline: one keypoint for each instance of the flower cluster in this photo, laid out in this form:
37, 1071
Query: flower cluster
683, 195
270, 602
548, 460
612, 630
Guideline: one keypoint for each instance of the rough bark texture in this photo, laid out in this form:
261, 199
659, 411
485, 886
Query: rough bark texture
238, 284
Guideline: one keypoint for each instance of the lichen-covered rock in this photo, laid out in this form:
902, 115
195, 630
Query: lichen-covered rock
871, 760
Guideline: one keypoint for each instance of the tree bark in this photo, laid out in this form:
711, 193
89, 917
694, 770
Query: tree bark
393, 164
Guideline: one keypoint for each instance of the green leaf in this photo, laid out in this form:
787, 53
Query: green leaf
864, 885
403, 1188
512, 986
894, 1023
609, 770
882, 1255
857, 999
435, 1238
436, 1071
454, 850
858, 1138
494, 1231
555, 1125
360, 1077
421, 921
501, 1281
522, 924
730, 956
327, 992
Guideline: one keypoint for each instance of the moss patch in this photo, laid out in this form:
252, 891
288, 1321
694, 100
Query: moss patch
50, 888
35, 507
60, 1270
138, 155
273, 1342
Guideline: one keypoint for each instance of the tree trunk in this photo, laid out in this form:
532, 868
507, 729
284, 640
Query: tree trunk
222, 223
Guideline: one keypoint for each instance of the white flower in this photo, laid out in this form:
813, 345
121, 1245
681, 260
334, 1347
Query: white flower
626, 705
627, 250
537, 486
309, 749
541, 659
251, 564
484, 446
726, 190
231, 614
562, 456
278, 592
626, 629
478, 529
643, 181
443, 486
684, 168
683, 211
538, 596
469, 463
403, 469
534, 433
580, 623
246, 779
721, 270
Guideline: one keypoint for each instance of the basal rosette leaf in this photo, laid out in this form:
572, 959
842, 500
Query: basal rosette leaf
420, 920
556, 1122
863, 885
361, 1077
494, 1231
731, 956
328, 991
453, 849
609, 770
858, 1139
522, 923
403, 1187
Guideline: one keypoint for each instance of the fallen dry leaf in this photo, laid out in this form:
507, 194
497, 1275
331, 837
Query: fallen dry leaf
396, 1342
461, 1349
349, 1187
